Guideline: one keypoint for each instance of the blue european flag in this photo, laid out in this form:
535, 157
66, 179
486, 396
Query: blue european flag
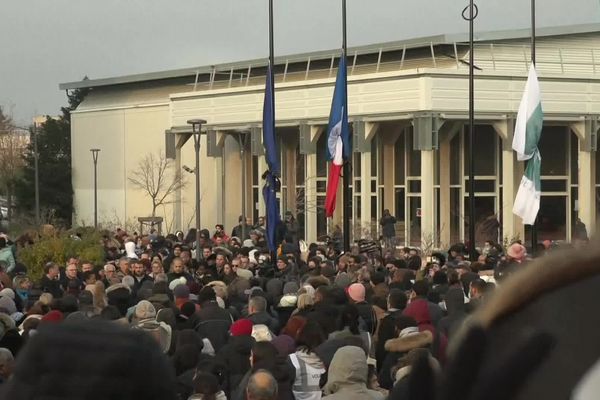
269, 142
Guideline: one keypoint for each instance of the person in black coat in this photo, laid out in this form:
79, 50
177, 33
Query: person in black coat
258, 314
213, 321
235, 355
50, 282
266, 357
387, 328
388, 229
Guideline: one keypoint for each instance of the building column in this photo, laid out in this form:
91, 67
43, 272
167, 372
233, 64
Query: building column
428, 229
310, 201
586, 131
220, 185
446, 134
364, 132
365, 195
262, 166
512, 172
290, 176
309, 134
425, 140
389, 136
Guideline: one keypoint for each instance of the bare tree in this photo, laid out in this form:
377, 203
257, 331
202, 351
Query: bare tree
13, 143
155, 175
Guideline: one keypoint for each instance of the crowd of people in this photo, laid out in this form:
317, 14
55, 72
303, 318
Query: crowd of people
306, 322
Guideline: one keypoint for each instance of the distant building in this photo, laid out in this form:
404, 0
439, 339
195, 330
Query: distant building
408, 105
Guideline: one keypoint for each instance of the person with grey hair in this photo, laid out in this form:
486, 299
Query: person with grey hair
261, 386
6, 364
258, 314
110, 275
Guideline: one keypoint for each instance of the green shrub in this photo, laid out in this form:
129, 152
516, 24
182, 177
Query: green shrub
58, 248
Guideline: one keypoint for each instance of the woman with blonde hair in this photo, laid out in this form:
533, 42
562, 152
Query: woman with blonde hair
99, 296
304, 305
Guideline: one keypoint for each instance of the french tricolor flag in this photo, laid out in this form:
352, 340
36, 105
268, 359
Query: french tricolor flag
338, 136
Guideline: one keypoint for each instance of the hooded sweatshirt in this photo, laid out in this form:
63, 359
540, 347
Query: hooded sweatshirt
420, 311
347, 378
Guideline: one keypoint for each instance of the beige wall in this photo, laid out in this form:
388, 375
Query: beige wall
124, 137
127, 123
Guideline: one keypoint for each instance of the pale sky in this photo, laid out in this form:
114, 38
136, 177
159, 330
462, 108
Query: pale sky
47, 42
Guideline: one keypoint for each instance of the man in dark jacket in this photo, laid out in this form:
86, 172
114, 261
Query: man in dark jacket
388, 229
257, 313
214, 322
139, 275
387, 327
357, 293
419, 294
50, 282
178, 271
455, 305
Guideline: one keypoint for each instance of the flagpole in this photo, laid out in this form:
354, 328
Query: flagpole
272, 61
534, 226
472, 14
346, 193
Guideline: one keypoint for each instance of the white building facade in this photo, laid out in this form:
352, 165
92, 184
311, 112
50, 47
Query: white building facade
408, 107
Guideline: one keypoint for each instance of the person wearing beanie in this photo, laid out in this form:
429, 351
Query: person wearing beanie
70, 351
214, 322
119, 295
234, 356
144, 310
516, 253
7, 304
357, 295
241, 327
181, 293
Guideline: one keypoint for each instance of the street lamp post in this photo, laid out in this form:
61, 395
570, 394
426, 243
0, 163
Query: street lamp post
196, 132
95, 158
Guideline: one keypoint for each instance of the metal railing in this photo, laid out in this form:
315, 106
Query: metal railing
513, 58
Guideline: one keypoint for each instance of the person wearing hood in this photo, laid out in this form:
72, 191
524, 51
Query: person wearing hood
235, 355
257, 313
347, 379
420, 309
130, 250
407, 338
307, 363
418, 296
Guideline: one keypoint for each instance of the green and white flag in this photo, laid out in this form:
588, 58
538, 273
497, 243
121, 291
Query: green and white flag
528, 130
